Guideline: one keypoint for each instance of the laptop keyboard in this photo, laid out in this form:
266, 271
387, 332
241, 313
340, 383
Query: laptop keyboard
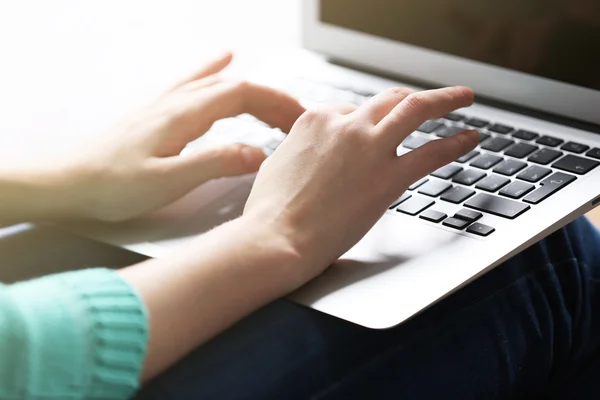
513, 169
510, 171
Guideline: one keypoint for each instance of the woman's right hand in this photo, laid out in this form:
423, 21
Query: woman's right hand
338, 170
326, 185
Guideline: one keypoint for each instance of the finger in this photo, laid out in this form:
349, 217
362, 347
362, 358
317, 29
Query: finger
201, 83
197, 167
211, 68
376, 108
271, 106
419, 107
435, 154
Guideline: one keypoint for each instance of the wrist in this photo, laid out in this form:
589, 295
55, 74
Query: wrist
304, 246
34, 194
271, 249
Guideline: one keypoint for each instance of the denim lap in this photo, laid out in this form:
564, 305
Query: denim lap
527, 328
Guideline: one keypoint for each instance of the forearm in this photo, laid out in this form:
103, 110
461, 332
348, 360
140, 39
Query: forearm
218, 279
32, 194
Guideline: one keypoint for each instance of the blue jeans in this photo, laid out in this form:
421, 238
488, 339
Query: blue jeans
528, 329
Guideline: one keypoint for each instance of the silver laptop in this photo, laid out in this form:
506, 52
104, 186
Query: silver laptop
536, 69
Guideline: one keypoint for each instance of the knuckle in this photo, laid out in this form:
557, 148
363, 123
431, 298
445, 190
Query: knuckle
313, 115
231, 152
230, 159
309, 116
315, 112
400, 92
352, 126
416, 102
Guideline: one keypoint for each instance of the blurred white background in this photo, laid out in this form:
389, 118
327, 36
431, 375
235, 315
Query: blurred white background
71, 68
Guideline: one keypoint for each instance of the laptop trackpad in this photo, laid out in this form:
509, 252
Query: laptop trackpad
388, 244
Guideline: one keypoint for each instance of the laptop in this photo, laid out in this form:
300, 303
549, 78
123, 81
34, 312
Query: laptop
535, 68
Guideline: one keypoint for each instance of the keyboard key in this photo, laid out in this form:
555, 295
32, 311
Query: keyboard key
550, 186
492, 183
483, 137
454, 117
414, 142
456, 223
502, 129
469, 177
448, 131
577, 165
534, 173
447, 172
476, 122
457, 194
550, 141
480, 229
521, 150
594, 153
468, 157
432, 216
525, 135
434, 188
495, 205
497, 144
401, 199
415, 205
545, 156
575, 147
430, 126
486, 161
363, 92
468, 215
418, 183
509, 167
517, 189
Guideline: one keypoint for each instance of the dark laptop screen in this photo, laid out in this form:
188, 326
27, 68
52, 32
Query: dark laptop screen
556, 39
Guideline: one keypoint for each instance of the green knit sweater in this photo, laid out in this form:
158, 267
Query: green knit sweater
75, 335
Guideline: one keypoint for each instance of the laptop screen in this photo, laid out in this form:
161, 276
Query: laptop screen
555, 39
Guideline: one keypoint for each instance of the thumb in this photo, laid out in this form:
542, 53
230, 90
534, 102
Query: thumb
229, 160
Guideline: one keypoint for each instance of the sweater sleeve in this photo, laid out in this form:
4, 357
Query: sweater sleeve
75, 335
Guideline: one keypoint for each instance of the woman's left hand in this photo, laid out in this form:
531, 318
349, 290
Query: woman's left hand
136, 167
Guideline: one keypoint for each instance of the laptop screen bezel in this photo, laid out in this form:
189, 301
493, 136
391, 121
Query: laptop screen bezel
440, 69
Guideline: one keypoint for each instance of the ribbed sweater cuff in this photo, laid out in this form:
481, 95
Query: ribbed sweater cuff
93, 323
